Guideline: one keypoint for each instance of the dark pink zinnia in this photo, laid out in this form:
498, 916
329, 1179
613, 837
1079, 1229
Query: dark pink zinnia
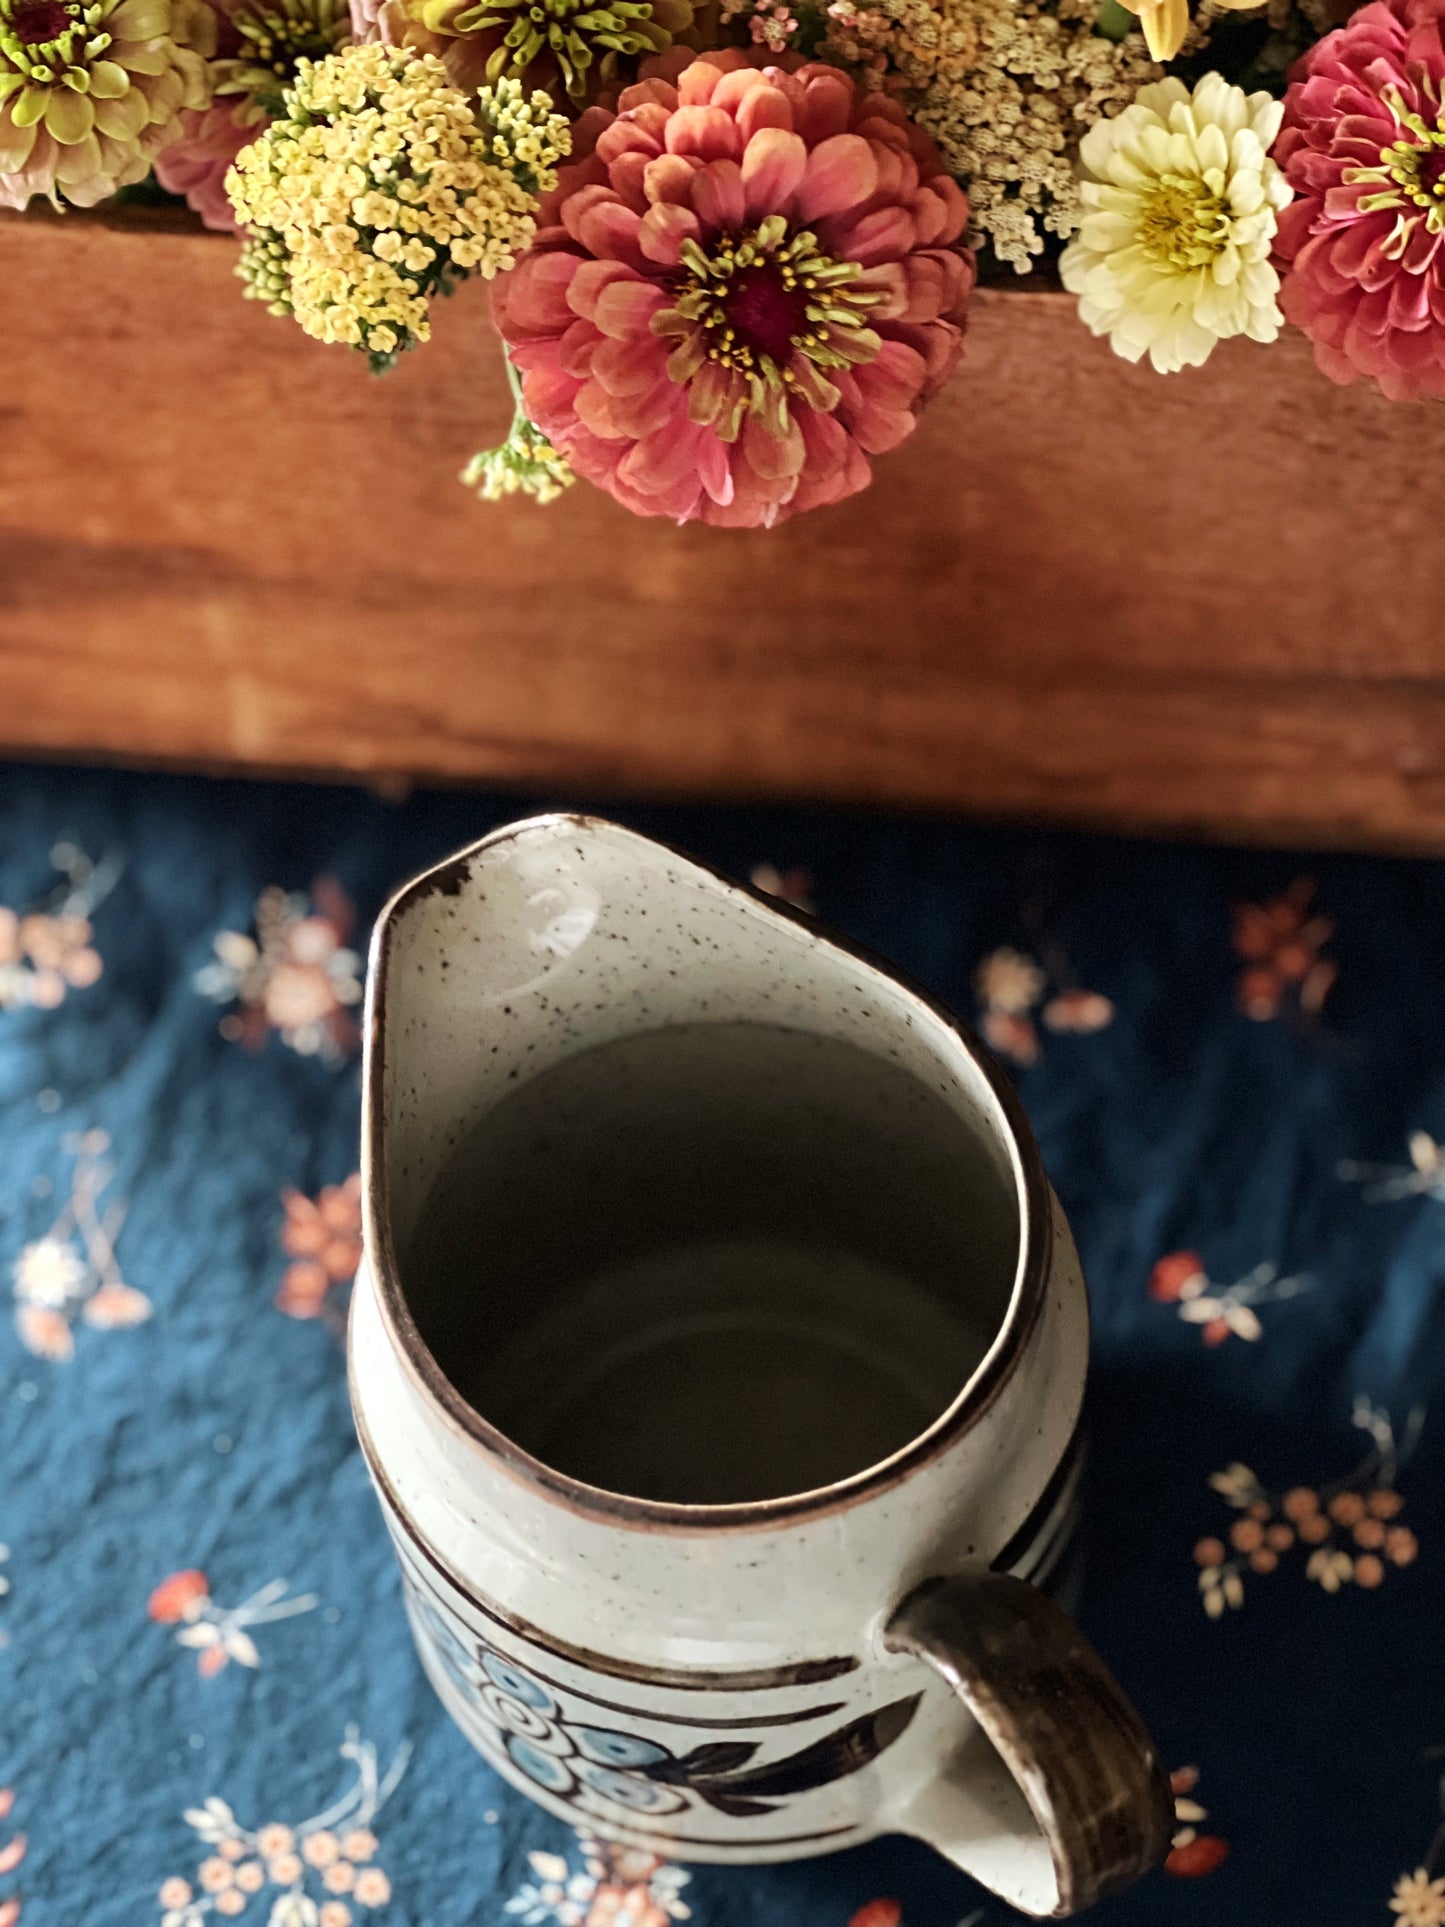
748, 282
1363, 147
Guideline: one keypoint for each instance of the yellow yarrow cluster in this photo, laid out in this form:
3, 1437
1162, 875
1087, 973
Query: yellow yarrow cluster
381, 187
1007, 89
525, 464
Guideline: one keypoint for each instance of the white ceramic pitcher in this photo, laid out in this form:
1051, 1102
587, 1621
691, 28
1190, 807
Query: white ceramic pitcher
769, 1677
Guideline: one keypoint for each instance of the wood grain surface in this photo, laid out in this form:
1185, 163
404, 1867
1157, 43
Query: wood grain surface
1081, 592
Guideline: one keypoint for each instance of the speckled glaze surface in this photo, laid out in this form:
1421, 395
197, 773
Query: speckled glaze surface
777, 1677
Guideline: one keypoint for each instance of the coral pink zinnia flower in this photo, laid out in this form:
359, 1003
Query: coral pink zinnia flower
196, 164
1363, 146
748, 283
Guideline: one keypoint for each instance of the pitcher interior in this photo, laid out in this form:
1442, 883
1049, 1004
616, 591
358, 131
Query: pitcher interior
685, 1201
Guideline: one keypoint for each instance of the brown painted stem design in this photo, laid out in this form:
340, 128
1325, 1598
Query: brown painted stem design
713, 1770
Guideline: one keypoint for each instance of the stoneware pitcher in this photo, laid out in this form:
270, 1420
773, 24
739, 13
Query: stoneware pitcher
718, 1356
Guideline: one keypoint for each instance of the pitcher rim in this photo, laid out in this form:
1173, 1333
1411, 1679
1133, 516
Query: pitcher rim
974, 1397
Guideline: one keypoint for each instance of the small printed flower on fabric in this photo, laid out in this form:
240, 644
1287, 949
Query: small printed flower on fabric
877, 1913
72, 1273
372, 1888
1009, 981
1280, 944
297, 976
1423, 1176
793, 886
1015, 1038
1363, 147
616, 1887
624, 1907
183, 1596
218, 1634
174, 1892
1418, 1900
1180, 1275
1010, 986
748, 283
12, 1855
1222, 1311
1330, 1528
1192, 1854
359, 1845
92, 90
322, 1236
228, 1876
43, 957
1180, 206
1080, 1011
49, 1272
382, 186
214, 1874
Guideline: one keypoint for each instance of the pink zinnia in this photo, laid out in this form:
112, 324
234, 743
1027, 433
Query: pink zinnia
1363, 146
749, 282
197, 164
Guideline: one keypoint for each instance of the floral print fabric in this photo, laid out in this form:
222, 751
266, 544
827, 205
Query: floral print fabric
209, 1705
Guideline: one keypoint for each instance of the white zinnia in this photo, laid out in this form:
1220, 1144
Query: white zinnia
1180, 203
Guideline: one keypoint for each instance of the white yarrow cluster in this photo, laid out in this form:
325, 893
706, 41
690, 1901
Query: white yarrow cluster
1180, 202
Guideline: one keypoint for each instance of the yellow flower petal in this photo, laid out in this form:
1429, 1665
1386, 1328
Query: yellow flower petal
1165, 23
68, 117
79, 162
108, 80
15, 146
140, 19
137, 59
124, 118
29, 106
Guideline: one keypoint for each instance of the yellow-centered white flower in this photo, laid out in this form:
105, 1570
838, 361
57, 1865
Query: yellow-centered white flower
1181, 201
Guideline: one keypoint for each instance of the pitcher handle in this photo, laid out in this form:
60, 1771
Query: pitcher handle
1068, 1802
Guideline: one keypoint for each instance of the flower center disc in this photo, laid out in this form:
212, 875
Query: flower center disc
1420, 170
39, 22
767, 315
1185, 224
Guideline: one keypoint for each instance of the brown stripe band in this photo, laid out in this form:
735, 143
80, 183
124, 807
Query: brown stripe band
808, 1672
1022, 1543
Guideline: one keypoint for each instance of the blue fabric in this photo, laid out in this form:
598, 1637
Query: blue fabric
212, 1435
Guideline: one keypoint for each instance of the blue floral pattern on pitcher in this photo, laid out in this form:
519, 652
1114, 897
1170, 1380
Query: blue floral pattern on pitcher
584, 1764
525, 1722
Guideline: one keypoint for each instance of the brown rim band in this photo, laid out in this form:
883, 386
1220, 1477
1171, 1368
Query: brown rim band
610, 1508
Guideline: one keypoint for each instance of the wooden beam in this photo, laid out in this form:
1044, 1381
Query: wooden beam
1083, 593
